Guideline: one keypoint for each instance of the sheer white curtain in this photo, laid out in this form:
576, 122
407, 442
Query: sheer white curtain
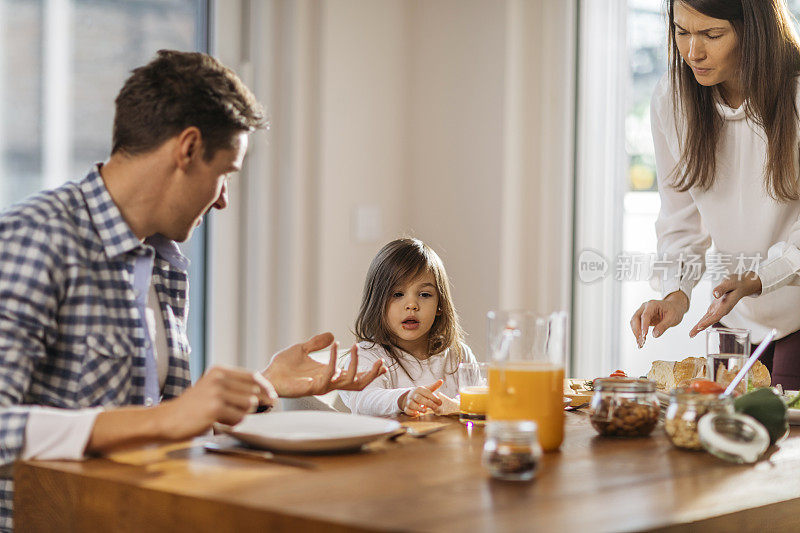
600, 166
263, 262
537, 182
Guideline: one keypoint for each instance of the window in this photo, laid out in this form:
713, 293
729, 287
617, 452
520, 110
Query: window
62, 62
647, 63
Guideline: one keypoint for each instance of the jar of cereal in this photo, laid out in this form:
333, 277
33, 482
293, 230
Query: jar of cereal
686, 408
624, 407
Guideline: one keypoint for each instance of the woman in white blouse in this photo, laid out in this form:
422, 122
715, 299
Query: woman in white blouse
725, 128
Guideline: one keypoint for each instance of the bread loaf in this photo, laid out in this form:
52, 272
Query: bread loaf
688, 369
662, 373
760, 375
671, 374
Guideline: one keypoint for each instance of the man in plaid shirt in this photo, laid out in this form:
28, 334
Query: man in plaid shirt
93, 288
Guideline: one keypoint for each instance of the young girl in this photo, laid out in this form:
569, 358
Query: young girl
407, 320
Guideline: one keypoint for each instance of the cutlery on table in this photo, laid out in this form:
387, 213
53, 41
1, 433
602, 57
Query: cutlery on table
414, 432
576, 407
215, 447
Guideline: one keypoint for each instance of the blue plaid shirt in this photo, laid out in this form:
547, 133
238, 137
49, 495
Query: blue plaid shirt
71, 335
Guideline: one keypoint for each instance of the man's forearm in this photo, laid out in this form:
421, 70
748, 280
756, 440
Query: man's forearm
122, 427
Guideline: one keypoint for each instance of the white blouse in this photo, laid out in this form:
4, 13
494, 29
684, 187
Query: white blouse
379, 398
736, 214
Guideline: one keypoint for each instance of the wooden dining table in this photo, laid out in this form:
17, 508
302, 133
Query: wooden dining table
434, 483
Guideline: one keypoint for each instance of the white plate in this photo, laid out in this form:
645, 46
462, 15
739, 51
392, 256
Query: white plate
310, 431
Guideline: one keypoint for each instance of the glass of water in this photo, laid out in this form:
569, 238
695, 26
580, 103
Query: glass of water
727, 349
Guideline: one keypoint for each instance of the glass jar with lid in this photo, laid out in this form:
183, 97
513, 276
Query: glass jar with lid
511, 450
624, 407
685, 409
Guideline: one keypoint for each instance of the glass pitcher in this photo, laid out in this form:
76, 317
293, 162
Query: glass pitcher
526, 374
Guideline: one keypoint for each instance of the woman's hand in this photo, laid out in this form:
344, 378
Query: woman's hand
661, 314
726, 295
419, 400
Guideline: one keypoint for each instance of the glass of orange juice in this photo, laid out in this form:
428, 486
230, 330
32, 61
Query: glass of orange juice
526, 375
473, 390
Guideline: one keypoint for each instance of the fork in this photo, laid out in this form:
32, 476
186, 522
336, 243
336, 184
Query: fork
576, 407
416, 433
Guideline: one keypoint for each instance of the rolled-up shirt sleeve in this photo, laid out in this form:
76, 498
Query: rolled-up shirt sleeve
782, 265
53, 434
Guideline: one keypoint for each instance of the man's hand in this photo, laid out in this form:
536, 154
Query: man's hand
726, 295
223, 395
661, 314
419, 400
295, 374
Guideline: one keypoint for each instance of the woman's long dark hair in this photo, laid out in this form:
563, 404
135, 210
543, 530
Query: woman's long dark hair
769, 62
396, 263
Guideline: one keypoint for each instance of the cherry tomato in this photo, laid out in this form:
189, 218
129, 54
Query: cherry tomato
704, 386
618, 374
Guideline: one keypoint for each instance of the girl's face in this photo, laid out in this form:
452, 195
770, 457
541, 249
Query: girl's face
709, 46
412, 308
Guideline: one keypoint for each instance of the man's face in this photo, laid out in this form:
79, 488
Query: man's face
205, 186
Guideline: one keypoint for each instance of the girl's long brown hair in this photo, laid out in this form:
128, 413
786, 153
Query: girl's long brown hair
769, 62
396, 263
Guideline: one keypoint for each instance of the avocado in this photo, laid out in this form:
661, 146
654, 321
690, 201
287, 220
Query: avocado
766, 407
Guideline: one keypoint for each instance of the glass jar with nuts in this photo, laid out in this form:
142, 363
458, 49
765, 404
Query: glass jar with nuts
686, 407
624, 407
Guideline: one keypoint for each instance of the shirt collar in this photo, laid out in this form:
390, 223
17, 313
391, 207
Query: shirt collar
727, 112
115, 234
168, 250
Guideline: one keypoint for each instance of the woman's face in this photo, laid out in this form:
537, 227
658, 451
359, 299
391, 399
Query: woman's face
709, 46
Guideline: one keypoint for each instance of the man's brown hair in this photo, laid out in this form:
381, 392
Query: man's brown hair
178, 90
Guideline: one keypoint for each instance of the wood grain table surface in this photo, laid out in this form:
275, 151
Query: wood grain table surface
434, 483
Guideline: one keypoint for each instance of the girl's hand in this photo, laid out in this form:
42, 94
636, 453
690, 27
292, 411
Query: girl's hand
419, 400
661, 314
726, 295
449, 405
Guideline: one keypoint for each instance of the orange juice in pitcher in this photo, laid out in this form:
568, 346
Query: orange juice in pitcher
529, 391
526, 376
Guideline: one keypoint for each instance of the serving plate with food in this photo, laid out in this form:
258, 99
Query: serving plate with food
792, 399
578, 391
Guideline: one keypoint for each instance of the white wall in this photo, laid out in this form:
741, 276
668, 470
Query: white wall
452, 117
363, 146
455, 182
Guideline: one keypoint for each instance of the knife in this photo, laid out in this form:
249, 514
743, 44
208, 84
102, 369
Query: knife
239, 451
